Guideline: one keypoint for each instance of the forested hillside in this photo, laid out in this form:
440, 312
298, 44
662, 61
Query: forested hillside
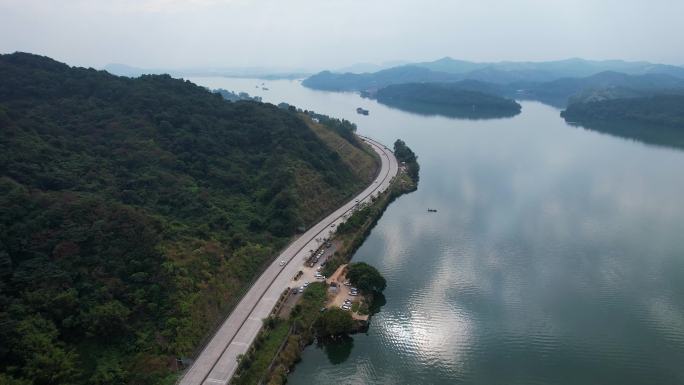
447, 99
657, 119
133, 212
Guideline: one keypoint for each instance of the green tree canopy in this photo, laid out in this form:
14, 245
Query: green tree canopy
365, 277
335, 322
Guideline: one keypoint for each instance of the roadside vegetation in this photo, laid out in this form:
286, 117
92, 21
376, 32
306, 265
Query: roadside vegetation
357, 227
276, 351
135, 212
365, 277
308, 319
258, 358
407, 159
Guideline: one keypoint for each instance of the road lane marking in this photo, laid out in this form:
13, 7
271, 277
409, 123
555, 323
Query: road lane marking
215, 381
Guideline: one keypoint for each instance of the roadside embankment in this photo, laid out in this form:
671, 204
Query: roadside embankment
318, 312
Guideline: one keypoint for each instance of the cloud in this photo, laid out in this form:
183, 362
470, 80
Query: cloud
117, 6
335, 33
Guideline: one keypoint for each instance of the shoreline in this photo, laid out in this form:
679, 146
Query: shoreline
291, 345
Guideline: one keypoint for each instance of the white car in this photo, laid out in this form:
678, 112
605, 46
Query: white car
306, 284
282, 262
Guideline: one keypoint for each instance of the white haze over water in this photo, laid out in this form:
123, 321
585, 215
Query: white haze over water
316, 34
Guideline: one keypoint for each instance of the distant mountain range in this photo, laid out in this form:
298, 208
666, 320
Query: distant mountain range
241, 72
552, 82
370, 67
546, 71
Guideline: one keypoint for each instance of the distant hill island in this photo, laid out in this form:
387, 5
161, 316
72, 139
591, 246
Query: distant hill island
446, 99
655, 119
638, 100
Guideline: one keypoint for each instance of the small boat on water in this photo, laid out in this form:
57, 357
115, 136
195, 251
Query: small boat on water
361, 111
432, 210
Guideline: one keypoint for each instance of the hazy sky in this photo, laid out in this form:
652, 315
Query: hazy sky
317, 34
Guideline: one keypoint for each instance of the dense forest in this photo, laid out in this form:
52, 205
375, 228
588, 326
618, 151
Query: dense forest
446, 99
408, 159
657, 119
134, 212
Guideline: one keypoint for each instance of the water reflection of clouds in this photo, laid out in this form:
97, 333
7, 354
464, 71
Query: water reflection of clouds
431, 327
545, 235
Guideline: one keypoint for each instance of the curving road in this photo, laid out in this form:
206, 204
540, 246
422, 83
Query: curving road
218, 361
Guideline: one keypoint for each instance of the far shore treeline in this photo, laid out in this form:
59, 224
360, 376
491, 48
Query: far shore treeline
636, 100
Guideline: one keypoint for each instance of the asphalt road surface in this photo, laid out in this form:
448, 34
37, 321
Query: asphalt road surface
218, 361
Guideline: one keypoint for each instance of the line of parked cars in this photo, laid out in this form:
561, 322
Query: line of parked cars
316, 257
347, 305
301, 289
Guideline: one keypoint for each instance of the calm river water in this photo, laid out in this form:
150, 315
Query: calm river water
556, 255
